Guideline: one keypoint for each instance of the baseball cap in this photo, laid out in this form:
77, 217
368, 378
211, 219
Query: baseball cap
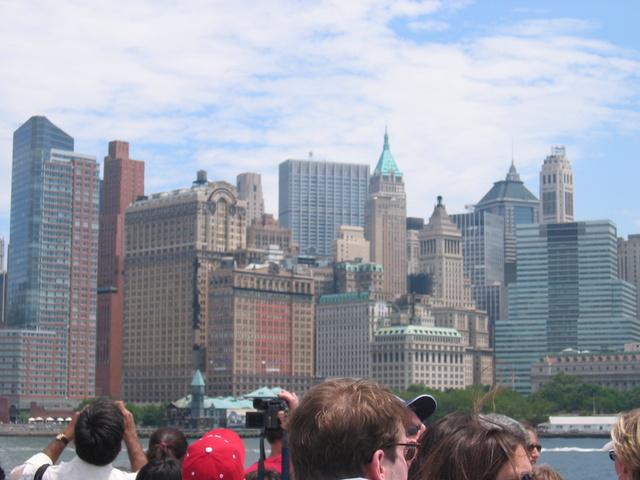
423, 405
218, 455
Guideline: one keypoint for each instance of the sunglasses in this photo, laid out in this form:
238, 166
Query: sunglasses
528, 476
613, 455
531, 447
410, 450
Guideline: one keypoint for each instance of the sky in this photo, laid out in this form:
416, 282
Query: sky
463, 87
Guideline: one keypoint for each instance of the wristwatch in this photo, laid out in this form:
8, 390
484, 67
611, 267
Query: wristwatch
61, 438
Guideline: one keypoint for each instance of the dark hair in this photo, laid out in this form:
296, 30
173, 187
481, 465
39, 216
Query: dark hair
163, 468
1, 474
273, 435
340, 424
98, 433
167, 442
269, 474
477, 449
434, 435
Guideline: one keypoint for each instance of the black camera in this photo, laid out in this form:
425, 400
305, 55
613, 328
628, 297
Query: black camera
267, 416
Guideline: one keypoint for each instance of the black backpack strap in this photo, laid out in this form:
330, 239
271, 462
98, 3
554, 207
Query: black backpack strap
40, 472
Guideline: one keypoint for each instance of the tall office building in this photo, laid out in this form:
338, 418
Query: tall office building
261, 330
3, 285
556, 188
249, 187
567, 295
629, 262
316, 197
453, 306
483, 254
49, 345
345, 323
385, 221
173, 240
512, 201
123, 184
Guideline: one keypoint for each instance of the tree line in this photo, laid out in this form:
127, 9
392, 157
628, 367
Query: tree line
563, 395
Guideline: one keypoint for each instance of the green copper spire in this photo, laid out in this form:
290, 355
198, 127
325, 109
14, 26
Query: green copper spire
386, 164
197, 381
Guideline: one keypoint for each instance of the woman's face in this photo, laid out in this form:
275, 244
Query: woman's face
518, 465
534, 454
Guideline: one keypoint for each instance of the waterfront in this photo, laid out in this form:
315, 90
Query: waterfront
574, 458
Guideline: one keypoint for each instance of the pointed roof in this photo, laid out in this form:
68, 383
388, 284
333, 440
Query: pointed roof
513, 174
440, 221
512, 188
197, 381
386, 163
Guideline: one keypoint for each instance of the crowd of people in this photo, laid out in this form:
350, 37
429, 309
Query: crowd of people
341, 429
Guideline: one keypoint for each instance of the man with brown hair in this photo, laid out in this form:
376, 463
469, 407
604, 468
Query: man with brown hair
346, 429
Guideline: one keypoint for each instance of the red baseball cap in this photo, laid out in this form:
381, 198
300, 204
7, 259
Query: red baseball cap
219, 455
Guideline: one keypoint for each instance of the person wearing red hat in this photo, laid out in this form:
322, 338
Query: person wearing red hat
218, 455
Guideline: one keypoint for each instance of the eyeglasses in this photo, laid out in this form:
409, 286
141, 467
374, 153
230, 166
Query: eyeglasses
531, 447
410, 450
527, 476
613, 455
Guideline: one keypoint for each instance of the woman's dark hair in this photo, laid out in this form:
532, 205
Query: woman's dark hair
167, 442
161, 469
434, 435
477, 449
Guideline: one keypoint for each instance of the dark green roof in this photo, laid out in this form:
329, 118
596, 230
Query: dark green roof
511, 188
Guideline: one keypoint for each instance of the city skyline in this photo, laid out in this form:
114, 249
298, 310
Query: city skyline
463, 87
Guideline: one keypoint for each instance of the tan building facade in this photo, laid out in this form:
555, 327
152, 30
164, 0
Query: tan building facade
385, 221
173, 241
350, 245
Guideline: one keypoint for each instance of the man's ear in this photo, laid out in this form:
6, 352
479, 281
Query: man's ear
374, 470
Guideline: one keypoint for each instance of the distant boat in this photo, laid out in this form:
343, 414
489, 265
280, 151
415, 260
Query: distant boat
575, 426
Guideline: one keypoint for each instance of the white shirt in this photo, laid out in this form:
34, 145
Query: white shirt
76, 469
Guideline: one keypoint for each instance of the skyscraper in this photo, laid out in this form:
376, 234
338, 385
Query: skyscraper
123, 184
567, 295
316, 197
250, 190
453, 306
386, 219
512, 201
52, 268
483, 253
173, 241
556, 188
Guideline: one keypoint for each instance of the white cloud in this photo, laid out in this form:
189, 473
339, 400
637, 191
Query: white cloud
241, 86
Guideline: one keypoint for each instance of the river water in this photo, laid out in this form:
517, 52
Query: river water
573, 458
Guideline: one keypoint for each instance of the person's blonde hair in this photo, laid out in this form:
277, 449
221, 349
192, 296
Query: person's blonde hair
545, 472
626, 441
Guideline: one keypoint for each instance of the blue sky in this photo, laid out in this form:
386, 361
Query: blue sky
240, 86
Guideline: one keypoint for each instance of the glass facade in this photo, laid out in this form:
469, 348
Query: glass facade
31, 222
567, 295
317, 197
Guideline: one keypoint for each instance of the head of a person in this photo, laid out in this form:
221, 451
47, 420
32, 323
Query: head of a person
161, 468
274, 435
344, 427
480, 450
98, 432
420, 409
219, 454
167, 442
269, 474
545, 472
434, 435
533, 446
625, 436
